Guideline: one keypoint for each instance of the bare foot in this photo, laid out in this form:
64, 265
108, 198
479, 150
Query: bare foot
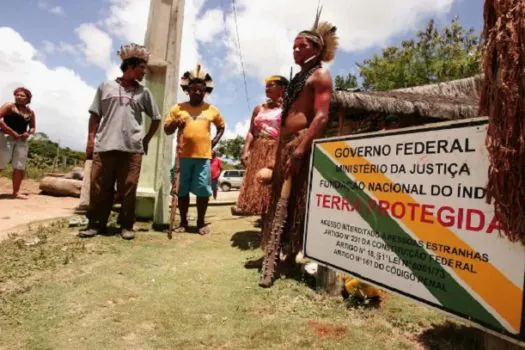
183, 228
19, 196
204, 230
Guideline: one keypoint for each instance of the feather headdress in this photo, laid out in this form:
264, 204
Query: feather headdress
324, 35
133, 50
197, 75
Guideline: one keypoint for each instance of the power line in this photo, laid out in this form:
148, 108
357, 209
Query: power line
225, 9
240, 56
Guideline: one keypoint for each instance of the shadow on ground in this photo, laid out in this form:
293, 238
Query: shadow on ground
246, 240
10, 196
451, 336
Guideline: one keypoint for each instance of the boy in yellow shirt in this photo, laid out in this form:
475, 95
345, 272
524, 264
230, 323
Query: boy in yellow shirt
194, 119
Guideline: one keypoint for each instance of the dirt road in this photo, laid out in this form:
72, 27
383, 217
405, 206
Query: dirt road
15, 214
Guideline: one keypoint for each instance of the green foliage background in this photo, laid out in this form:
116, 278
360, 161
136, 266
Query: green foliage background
433, 56
43, 154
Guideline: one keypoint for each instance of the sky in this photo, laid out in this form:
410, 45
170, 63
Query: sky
63, 49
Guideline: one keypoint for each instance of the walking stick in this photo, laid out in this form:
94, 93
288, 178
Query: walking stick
273, 248
175, 187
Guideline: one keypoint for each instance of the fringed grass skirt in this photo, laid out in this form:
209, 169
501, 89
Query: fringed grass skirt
292, 239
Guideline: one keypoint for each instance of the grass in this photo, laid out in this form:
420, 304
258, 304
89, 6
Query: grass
60, 292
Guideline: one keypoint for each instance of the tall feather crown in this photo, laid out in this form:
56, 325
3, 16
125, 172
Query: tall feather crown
324, 35
197, 75
133, 50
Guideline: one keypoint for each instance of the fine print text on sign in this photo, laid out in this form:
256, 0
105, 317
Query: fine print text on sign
406, 210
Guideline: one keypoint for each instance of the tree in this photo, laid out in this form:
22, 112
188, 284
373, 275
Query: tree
434, 56
231, 148
40, 136
348, 83
43, 151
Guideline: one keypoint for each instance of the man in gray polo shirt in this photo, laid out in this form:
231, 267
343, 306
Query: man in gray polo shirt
116, 142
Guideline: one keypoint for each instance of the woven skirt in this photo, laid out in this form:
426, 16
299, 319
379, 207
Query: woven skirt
254, 198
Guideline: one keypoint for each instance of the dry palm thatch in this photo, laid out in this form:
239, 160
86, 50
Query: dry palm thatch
452, 100
468, 87
503, 101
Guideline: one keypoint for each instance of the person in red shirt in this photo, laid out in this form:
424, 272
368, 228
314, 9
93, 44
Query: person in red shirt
216, 167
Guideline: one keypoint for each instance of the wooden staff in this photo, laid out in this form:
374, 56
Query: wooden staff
175, 186
273, 248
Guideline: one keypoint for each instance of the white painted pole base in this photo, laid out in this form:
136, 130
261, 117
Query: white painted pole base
86, 186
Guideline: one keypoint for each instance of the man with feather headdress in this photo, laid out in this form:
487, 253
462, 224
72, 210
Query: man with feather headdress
194, 119
304, 117
116, 141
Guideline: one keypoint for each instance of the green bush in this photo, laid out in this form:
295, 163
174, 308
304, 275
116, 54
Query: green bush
42, 155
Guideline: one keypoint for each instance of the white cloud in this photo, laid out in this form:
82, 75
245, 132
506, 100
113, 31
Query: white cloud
49, 47
68, 48
189, 48
128, 19
267, 28
239, 129
96, 46
113, 72
56, 10
61, 98
209, 25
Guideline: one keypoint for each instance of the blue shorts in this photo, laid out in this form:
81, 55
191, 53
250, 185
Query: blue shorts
214, 184
195, 177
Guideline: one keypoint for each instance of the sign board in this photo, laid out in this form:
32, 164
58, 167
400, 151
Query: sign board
406, 211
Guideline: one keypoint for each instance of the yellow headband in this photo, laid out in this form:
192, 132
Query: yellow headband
276, 78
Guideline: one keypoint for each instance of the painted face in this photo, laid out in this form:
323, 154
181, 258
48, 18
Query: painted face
196, 91
274, 90
139, 71
303, 49
21, 98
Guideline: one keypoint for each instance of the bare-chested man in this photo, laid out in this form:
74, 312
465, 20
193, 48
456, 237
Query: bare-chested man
305, 114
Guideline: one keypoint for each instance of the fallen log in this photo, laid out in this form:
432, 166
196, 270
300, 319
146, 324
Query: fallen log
57, 186
75, 174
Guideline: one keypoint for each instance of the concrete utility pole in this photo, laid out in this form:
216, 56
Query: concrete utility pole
163, 40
